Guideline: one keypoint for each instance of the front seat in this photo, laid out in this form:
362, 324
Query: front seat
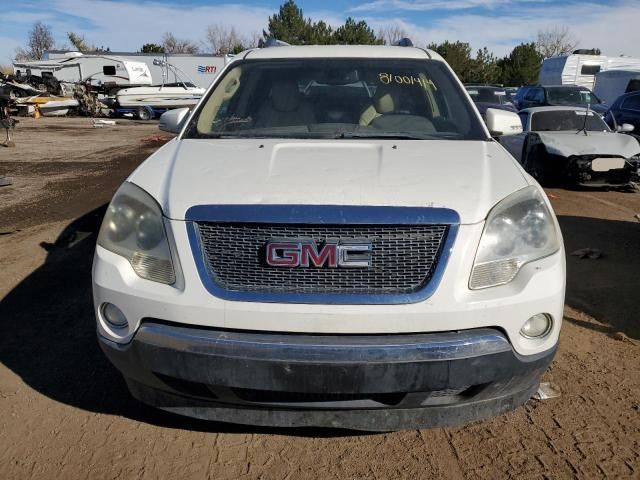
384, 102
285, 107
393, 109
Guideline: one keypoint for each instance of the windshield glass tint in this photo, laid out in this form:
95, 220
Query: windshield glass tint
571, 96
334, 98
561, 120
489, 95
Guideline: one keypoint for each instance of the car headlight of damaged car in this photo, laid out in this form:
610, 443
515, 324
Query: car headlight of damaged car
133, 227
519, 229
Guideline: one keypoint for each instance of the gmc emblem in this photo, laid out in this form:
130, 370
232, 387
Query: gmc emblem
307, 253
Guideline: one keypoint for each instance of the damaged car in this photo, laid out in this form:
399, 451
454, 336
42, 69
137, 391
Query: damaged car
573, 145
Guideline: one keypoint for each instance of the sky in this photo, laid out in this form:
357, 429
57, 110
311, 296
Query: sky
125, 25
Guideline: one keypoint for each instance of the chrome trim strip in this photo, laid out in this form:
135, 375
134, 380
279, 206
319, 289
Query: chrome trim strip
322, 214
325, 348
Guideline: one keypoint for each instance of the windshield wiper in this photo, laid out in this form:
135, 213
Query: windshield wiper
386, 135
229, 135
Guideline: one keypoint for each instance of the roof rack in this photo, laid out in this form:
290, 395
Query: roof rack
272, 42
403, 42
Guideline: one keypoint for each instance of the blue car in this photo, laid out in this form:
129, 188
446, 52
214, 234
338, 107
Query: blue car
626, 109
561, 96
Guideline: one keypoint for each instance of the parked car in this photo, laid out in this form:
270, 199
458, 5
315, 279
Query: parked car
332, 239
487, 96
519, 96
626, 109
562, 95
571, 144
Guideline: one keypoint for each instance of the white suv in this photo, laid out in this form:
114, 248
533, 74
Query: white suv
333, 239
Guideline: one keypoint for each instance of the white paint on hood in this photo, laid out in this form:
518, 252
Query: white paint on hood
469, 177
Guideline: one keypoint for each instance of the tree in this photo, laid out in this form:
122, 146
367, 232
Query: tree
458, 56
484, 68
171, 44
555, 41
522, 65
221, 40
392, 34
289, 25
253, 39
320, 34
79, 43
355, 33
152, 48
40, 39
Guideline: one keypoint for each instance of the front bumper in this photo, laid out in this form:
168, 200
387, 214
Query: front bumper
580, 171
365, 382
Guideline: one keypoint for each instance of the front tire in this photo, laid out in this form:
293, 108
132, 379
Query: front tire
534, 161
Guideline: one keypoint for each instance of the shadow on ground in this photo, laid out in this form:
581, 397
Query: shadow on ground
48, 338
607, 288
47, 330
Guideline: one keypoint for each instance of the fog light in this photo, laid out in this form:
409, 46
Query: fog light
113, 315
537, 326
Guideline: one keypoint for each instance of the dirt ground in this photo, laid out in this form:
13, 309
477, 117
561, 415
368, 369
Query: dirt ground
65, 411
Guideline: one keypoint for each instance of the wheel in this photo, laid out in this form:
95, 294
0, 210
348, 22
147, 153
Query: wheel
145, 113
533, 160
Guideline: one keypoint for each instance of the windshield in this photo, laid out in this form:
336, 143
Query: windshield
561, 120
571, 96
490, 95
337, 98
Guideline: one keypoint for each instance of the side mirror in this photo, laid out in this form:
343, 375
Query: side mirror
625, 127
502, 122
173, 120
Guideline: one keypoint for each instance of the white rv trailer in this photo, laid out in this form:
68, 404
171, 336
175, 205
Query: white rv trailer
96, 69
579, 69
201, 69
610, 84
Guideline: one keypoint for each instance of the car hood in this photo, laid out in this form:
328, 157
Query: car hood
466, 176
600, 108
594, 143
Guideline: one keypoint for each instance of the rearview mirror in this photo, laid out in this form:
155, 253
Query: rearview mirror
173, 120
625, 128
502, 122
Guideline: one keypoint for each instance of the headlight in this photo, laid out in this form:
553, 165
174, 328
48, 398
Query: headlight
518, 230
133, 227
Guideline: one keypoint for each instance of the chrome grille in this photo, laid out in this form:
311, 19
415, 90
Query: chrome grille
404, 257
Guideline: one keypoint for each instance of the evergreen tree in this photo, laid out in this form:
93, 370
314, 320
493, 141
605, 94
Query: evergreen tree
485, 68
152, 48
355, 33
522, 65
289, 25
458, 56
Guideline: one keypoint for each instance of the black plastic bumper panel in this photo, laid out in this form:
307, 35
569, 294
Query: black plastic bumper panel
369, 382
